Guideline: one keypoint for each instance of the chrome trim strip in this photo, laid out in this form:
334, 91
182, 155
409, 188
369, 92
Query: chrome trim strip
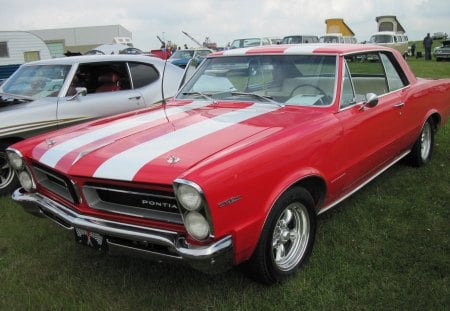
129, 191
332, 204
94, 201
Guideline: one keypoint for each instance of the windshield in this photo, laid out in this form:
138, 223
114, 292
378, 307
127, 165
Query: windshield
331, 39
382, 39
286, 79
183, 54
202, 53
37, 81
245, 43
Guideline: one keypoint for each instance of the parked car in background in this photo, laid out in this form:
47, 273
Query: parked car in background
108, 49
46, 95
391, 39
439, 36
235, 169
181, 57
300, 39
250, 42
442, 52
337, 38
275, 40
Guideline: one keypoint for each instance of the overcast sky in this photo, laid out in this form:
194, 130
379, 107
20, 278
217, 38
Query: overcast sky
224, 20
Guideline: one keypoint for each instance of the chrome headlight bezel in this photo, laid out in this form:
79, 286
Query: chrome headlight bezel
197, 225
189, 197
194, 209
23, 173
26, 180
15, 159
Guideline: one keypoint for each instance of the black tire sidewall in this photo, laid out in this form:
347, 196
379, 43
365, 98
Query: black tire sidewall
415, 157
262, 264
14, 184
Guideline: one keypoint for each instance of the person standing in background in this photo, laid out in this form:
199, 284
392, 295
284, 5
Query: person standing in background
427, 43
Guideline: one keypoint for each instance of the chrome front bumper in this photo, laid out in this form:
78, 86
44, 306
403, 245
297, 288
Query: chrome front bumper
123, 238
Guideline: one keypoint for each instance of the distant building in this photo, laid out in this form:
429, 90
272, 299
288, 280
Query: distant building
82, 39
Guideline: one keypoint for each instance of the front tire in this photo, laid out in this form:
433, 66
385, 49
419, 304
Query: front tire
286, 239
423, 147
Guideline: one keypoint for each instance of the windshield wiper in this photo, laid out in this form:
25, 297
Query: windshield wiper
207, 96
15, 96
264, 97
8, 99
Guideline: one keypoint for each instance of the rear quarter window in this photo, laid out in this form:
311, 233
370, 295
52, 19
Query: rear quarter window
143, 74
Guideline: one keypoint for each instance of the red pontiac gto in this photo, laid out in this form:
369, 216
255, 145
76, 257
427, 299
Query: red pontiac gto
236, 168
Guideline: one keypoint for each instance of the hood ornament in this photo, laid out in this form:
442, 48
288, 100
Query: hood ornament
50, 142
172, 159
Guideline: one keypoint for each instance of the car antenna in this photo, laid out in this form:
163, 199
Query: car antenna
162, 84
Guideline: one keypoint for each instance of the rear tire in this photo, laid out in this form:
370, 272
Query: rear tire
423, 147
8, 179
286, 239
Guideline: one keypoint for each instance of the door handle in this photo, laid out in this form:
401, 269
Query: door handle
399, 105
135, 97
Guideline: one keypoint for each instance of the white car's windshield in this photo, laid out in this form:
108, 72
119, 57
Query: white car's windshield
245, 43
304, 80
37, 81
382, 39
183, 54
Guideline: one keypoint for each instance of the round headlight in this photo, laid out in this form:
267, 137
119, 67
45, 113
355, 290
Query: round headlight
15, 160
26, 181
196, 225
189, 197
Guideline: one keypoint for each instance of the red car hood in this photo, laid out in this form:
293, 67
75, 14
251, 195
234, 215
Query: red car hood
157, 145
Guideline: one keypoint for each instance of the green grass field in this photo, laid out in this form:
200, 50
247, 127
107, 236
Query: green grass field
385, 248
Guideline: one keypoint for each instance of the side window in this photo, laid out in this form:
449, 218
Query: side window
348, 94
142, 74
100, 77
367, 74
394, 80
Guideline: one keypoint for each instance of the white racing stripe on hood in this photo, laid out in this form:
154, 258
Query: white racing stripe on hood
126, 164
56, 153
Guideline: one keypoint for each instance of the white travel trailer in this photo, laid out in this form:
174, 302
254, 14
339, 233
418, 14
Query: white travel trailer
19, 47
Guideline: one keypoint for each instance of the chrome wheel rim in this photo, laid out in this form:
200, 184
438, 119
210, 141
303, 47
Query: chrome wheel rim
6, 172
425, 141
290, 236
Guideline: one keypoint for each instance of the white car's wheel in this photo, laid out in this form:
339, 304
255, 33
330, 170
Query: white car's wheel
8, 179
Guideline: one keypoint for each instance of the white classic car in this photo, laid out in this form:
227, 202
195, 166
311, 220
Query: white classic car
46, 95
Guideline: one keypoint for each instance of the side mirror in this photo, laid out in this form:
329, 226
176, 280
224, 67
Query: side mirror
371, 101
191, 67
80, 91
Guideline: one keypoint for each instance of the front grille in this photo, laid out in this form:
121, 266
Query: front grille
56, 183
137, 202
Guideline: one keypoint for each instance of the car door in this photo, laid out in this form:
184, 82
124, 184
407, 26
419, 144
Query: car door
28, 99
371, 134
104, 89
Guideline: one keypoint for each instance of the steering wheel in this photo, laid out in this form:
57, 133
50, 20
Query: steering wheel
322, 92
325, 100
38, 84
